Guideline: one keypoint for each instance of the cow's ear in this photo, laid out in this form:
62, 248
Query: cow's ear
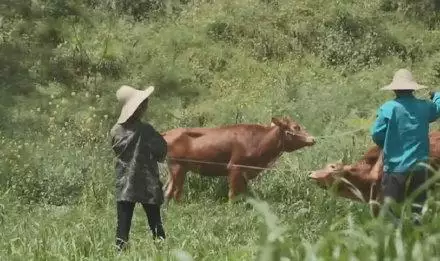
277, 122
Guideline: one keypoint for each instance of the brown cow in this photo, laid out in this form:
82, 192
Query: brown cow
365, 175
223, 148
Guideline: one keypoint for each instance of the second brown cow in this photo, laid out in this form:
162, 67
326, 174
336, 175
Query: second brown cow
365, 175
226, 150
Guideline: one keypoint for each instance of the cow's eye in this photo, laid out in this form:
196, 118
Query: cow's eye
290, 133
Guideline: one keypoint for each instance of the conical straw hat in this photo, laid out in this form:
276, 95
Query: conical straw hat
403, 80
131, 98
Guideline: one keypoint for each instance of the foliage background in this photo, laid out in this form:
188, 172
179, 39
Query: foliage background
213, 63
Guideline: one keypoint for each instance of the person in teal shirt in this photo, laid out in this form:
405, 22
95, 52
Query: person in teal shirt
401, 130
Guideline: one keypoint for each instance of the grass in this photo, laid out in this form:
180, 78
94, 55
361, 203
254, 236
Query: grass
210, 230
213, 63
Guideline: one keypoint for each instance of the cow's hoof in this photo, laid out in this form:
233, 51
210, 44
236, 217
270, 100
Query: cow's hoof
237, 199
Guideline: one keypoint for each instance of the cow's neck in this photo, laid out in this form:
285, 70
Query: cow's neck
271, 146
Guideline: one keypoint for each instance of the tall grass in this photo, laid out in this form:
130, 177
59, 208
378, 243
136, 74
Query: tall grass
213, 63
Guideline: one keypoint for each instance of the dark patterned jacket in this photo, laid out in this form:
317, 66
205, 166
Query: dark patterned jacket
138, 147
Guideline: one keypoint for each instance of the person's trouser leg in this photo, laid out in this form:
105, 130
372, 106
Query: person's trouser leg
393, 186
154, 220
125, 213
417, 179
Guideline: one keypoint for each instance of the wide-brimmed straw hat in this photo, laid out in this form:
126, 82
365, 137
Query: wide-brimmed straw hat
131, 98
403, 80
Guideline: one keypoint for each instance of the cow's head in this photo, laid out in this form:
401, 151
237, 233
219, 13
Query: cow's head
346, 180
295, 136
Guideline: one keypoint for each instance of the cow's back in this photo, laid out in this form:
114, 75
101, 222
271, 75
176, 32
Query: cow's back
370, 158
434, 147
208, 150
199, 138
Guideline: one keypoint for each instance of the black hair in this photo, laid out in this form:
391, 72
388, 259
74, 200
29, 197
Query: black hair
136, 114
403, 92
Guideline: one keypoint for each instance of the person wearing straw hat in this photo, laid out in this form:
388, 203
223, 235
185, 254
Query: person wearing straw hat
401, 130
138, 147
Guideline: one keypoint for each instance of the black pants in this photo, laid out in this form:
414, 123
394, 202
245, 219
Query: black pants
399, 186
125, 213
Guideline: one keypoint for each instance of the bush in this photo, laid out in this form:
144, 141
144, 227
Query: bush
427, 11
213, 63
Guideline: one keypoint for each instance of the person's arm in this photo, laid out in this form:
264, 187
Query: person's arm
114, 139
377, 171
434, 106
157, 145
379, 128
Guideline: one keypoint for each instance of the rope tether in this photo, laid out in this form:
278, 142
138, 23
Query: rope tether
261, 168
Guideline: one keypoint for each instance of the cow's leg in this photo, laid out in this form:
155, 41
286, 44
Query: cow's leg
237, 183
178, 184
169, 188
176, 171
175, 188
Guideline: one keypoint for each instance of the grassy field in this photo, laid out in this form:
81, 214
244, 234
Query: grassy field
213, 63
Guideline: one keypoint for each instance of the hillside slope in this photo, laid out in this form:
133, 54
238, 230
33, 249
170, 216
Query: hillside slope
213, 63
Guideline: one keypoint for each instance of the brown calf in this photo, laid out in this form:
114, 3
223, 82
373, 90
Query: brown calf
365, 175
218, 151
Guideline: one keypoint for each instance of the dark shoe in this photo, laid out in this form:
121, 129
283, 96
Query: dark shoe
159, 233
121, 245
417, 221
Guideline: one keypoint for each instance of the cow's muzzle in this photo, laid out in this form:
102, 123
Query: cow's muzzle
311, 140
314, 176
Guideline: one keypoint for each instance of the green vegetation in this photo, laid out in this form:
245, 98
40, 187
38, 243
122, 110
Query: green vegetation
213, 63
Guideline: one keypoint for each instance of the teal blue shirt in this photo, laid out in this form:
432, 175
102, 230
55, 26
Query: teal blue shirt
401, 129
